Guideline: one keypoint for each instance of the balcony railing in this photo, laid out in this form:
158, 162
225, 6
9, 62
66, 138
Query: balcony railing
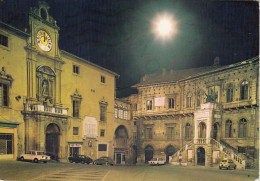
44, 109
200, 141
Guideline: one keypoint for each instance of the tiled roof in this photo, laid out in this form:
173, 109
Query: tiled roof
178, 75
173, 75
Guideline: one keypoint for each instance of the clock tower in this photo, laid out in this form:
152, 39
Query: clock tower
44, 62
44, 30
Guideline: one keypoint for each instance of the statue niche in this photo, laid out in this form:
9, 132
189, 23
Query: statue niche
46, 80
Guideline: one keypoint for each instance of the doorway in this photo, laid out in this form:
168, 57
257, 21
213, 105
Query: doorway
201, 156
52, 140
169, 151
215, 131
119, 157
148, 151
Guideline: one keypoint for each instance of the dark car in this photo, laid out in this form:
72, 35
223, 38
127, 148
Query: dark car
103, 161
80, 159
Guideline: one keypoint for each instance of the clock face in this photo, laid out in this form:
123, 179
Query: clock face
44, 40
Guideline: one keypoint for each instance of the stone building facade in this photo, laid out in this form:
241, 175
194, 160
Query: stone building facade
205, 114
54, 101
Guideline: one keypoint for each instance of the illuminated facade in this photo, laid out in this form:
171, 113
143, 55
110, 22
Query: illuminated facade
53, 101
205, 114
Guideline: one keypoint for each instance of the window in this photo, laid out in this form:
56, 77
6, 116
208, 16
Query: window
230, 93
170, 133
121, 112
126, 114
244, 90
76, 100
102, 147
75, 130
228, 129
103, 79
148, 133
103, 109
241, 149
242, 128
75, 69
75, 110
135, 107
3, 94
3, 40
171, 103
188, 101
90, 127
102, 132
149, 105
187, 131
116, 111
6, 144
202, 130
199, 98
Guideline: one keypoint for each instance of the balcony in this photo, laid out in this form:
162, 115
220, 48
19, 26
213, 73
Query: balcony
37, 108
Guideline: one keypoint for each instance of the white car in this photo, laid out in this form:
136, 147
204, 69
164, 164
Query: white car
157, 161
35, 156
228, 164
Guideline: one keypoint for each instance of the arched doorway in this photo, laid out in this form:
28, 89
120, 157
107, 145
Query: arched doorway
202, 130
200, 156
52, 143
121, 138
169, 151
148, 151
215, 131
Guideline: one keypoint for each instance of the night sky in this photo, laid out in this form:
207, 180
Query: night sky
116, 34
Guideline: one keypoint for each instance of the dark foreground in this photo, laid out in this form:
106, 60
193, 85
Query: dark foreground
17, 170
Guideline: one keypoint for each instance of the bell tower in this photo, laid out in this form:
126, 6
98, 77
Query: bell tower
43, 57
44, 30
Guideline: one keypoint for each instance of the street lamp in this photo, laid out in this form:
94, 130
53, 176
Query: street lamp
164, 26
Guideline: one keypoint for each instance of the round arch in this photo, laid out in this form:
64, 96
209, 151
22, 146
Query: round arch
169, 151
121, 132
148, 152
52, 141
216, 129
202, 130
200, 156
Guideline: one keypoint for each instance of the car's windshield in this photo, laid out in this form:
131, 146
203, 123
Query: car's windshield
160, 159
224, 160
154, 159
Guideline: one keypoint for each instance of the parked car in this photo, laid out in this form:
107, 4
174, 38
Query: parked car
156, 161
35, 156
227, 163
103, 161
80, 159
